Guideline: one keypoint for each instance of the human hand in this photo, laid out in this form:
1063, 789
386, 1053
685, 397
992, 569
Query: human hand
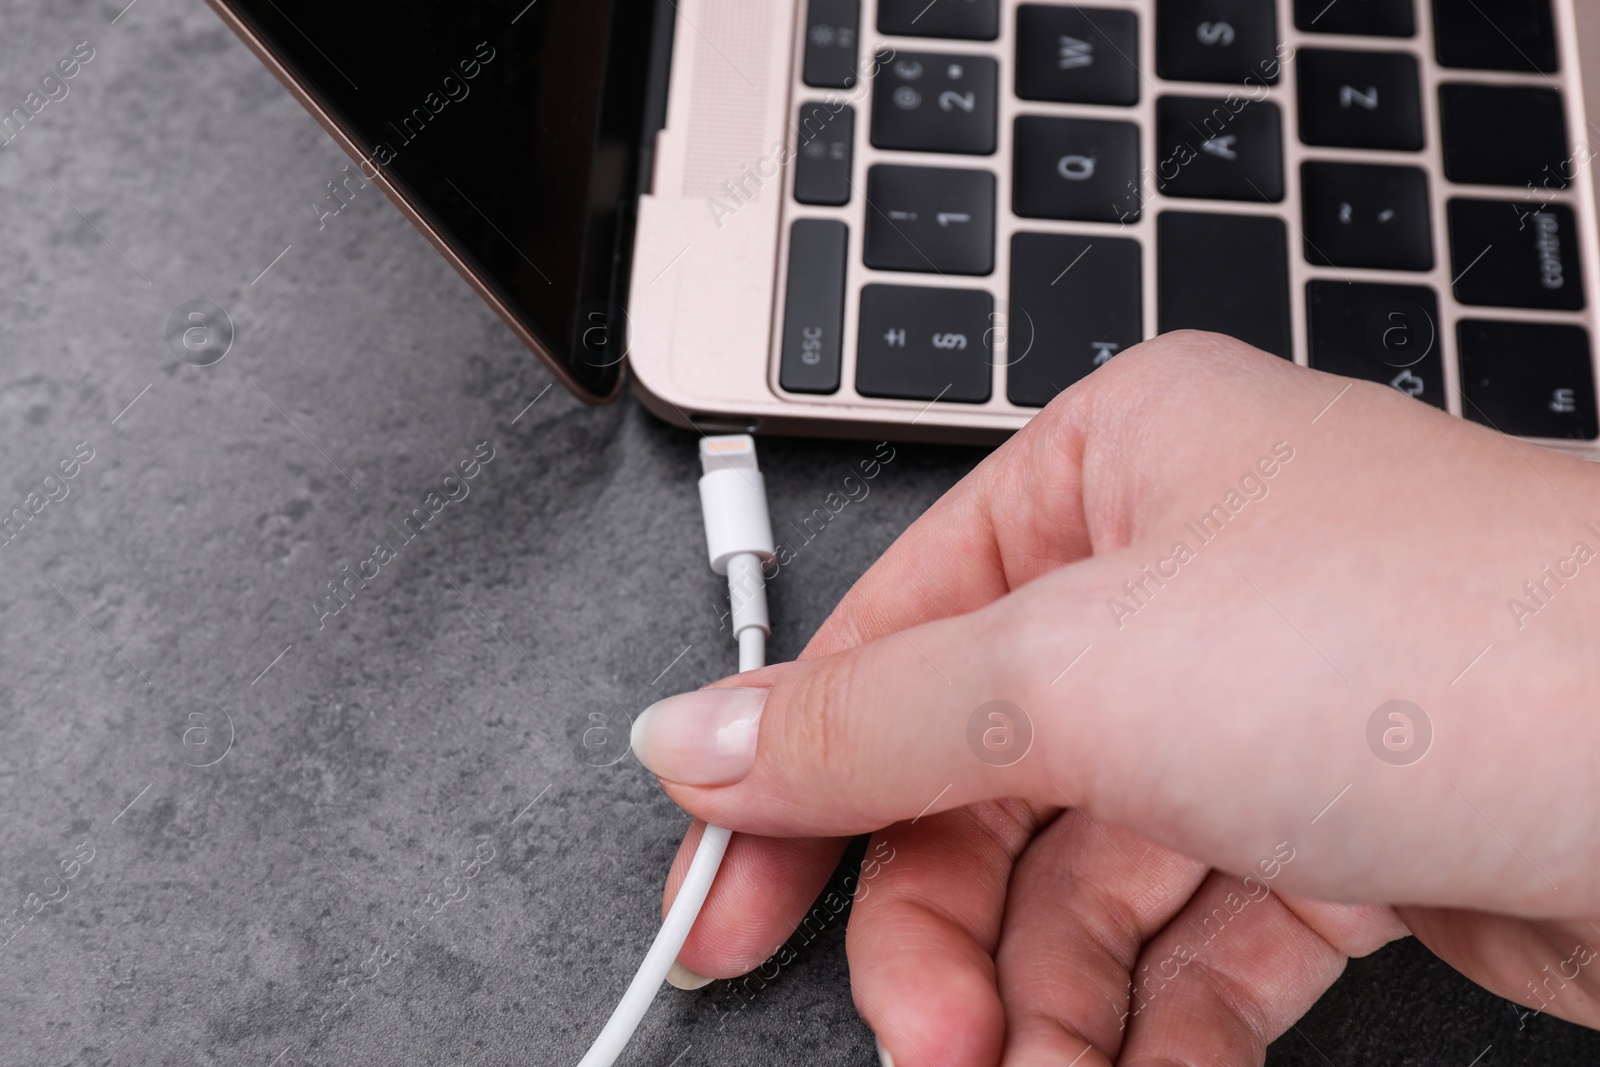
1196, 716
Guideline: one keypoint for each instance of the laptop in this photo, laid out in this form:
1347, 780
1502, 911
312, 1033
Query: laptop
923, 219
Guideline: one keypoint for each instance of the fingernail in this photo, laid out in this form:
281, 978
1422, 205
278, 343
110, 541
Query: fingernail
706, 737
884, 1057
681, 977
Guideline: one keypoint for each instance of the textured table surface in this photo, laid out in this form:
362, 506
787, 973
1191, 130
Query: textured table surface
266, 797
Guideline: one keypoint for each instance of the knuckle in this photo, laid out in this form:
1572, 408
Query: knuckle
814, 723
1170, 376
1007, 823
1187, 356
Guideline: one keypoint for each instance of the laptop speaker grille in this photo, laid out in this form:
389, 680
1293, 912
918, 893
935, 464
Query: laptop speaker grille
728, 92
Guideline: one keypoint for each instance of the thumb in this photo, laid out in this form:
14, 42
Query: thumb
923, 720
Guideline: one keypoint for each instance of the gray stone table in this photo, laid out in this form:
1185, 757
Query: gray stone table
252, 800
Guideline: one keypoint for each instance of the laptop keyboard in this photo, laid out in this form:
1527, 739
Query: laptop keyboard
1014, 193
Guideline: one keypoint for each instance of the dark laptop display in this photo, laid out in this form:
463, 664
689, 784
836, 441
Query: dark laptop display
512, 129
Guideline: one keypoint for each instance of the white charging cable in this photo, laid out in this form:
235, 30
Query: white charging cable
733, 500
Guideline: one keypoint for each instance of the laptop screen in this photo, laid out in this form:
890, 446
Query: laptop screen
514, 130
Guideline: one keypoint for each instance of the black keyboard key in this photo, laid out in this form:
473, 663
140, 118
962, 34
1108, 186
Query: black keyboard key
938, 220
976, 20
1366, 215
1217, 41
813, 314
1075, 303
1379, 333
923, 102
1496, 35
1515, 255
1360, 99
1219, 149
1505, 135
831, 34
1367, 18
1083, 169
1527, 378
925, 344
1224, 273
1077, 55
822, 161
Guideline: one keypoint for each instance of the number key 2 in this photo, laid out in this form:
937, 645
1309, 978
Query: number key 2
925, 102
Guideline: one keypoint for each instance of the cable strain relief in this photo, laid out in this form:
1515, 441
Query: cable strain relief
747, 592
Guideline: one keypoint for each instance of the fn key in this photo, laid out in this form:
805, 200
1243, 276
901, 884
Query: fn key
813, 316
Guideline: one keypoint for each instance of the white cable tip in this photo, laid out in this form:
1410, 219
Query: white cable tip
733, 500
